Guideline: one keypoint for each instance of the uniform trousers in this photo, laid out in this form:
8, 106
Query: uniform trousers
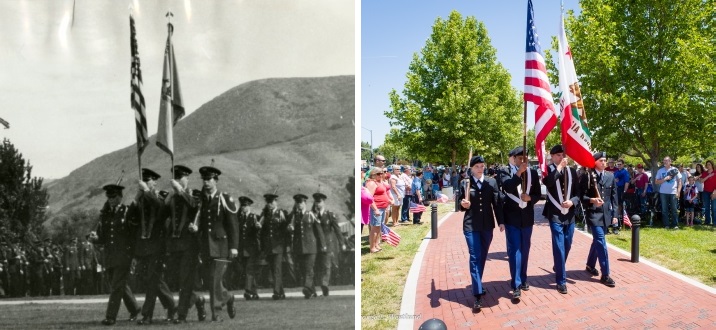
598, 250
37, 278
56, 280
562, 235
214, 275
326, 263
72, 278
88, 280
119, 291
184, 264
275, 262
308, 263
478, 244
251, 268
519, 241
152, 267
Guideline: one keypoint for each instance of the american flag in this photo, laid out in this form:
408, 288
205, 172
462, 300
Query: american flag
388, 235
537, 89
416, 208
137, 101
626, 220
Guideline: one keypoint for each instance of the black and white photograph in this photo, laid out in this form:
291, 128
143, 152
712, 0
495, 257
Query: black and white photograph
177, 163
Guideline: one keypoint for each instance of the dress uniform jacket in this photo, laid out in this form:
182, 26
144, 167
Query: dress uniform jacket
72, 257
151, 205
308, 234
218, 226
483, 202
552, 212
273, 231
114, 233
331, 232
87, 255
514, 215
599, 215
179, 208
249, 230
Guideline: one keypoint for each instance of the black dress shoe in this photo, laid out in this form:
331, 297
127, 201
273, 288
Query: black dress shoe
108, 322
216, 318
276, 296
133, 316
562, 288
200, 311
145, 321
171, 314
307, 292
230, 307
517, 294
478, 304
592, 271
254, 296
325, 290
247, 296
608, 281
525, 287
180, 319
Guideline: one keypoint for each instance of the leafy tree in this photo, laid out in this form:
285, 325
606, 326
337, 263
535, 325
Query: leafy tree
647, 69
76, 223
456, 96
23, 201
365, 152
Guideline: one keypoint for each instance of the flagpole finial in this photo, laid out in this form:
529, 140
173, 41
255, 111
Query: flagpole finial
169, 16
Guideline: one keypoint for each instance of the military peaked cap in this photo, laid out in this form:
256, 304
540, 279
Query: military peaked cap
181, 171
113, 189
245, 200
300, 198
209, 171
148, 174
556, 149
270, 197
319, 196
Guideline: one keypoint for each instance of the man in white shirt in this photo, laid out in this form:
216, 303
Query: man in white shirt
669, 179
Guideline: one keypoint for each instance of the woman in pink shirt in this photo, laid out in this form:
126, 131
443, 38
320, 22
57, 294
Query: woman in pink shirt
708, 178
381, 201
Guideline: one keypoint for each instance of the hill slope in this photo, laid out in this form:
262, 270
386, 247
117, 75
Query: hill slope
290, 133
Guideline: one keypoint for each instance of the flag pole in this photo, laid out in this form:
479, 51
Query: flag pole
524, 143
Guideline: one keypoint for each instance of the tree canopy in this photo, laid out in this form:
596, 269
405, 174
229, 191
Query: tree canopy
648, 71
456, 96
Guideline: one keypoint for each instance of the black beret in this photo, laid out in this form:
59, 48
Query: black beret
300, 198
319, 196
599, 155
475, 160
209, 171
270, 197
149, 174
556, 149
517, 151
181, 171
112, 189
245, 200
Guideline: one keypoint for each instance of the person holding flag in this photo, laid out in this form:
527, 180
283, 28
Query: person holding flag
562, 199
599, 195
481, 201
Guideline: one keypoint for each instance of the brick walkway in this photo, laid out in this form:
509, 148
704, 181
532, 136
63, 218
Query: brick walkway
643, 298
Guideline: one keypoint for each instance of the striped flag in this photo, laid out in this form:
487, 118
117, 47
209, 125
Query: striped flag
537, 89
576, 137
626, 220
388, 235
171, 106
137, 99
4, 123
416, 208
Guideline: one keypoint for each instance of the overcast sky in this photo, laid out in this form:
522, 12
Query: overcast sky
65, 87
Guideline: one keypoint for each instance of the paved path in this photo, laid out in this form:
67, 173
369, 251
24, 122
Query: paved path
644, 297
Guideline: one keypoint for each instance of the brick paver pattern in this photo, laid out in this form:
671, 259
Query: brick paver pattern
643, 297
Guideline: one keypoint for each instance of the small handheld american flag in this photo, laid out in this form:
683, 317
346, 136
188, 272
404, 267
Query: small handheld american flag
626, 219
416, 208
389, 236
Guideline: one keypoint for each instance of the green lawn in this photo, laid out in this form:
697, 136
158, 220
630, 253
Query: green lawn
384, 273
689, 250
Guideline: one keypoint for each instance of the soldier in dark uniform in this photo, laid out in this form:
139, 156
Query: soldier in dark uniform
5, 255
562, 199
218, 240
16, 264
518, 211
249, 245
47, 252
38, 267
150, 246
274, 229
308, 241
88, 264
56, 262
482, 207
179, 212
334, 241
72, 268
114, 233
599, 197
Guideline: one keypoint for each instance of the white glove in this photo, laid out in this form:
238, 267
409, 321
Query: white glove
143, 186
177, 186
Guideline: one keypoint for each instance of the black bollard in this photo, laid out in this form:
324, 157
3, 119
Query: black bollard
635, 224
434, 220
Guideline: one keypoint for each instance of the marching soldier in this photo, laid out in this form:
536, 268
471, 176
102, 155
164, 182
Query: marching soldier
308, 241
600, 196
150, 247
249, 245
518, 210
273, 234
113, 232
179, 212
72, 267
218, 239
334, 241
562, 199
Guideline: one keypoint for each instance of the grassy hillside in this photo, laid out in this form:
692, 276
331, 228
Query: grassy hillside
294, 133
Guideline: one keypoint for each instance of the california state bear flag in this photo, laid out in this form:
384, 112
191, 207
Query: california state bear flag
576, 137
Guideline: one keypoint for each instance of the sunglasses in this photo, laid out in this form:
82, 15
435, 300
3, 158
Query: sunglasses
380, 160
